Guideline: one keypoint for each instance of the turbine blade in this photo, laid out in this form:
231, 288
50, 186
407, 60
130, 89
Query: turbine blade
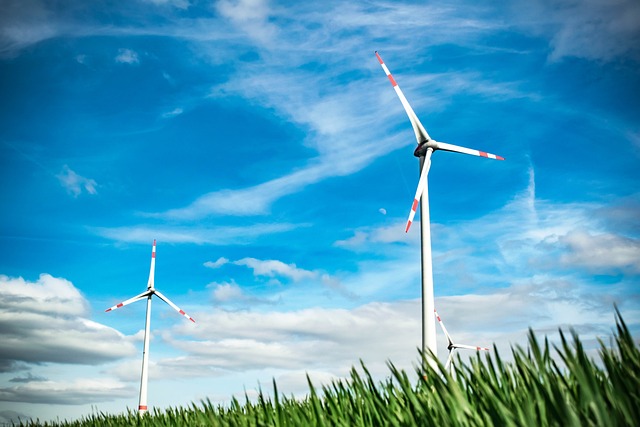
470, 347
152, 270
129, 301
175, 307
421, 185
418, 129
457, 149
449, 360
446, 333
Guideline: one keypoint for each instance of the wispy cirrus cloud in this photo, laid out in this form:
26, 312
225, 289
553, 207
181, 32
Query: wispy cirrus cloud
215, 235
76, 184
591, 29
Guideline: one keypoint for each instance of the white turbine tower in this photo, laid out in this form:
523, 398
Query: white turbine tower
150, 292
426, 147
453, 346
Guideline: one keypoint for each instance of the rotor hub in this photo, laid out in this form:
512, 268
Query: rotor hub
421, 149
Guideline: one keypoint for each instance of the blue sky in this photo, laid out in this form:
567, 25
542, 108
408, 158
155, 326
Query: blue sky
261, 144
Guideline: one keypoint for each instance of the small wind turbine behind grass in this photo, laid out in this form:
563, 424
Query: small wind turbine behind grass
426, 146
151, 291
453, 346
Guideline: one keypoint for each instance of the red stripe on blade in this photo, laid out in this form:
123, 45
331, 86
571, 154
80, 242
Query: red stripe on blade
393, 82
482, 154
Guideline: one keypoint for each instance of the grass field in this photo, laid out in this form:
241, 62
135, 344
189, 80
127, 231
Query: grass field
533, 390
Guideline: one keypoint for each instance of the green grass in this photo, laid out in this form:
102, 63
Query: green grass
533, 390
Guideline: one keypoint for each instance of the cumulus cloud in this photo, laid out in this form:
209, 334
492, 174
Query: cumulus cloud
127, 56
29, 378
267, 268
227, 291
230, 294
217, 263
276, 269
601, 253
332, 340
75, 184
46, 321
75, 392
273, 268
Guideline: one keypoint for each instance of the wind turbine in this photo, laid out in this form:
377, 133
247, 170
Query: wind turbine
150, 292
453, 346
424, 150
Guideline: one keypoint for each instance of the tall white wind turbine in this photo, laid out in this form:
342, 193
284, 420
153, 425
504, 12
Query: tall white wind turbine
150, 292
453, 346
424, 150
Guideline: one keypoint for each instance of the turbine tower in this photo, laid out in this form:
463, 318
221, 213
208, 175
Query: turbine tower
150, 292
424, 150
453, 346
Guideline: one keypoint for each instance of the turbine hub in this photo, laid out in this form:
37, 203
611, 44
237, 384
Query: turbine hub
421, 149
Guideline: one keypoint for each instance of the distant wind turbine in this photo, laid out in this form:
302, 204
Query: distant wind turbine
151, 291
453, 346
426, 147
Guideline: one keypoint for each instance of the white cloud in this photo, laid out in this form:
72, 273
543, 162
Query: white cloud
173, 113
23, 23
178, 4
592, 29
227, 291
217, 264
46, 321
74, 392
250, 17
273, 268
127, 56
214, 235
76, 184
369, 238
335, 339
600, 253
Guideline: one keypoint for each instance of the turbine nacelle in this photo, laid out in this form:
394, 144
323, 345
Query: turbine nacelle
421, 149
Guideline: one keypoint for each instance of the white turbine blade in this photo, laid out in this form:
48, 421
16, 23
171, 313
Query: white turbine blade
446, 333
129, 301
418, 129
470, 347
152, 270
175, 307
421, 184
449, 360
457, 149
